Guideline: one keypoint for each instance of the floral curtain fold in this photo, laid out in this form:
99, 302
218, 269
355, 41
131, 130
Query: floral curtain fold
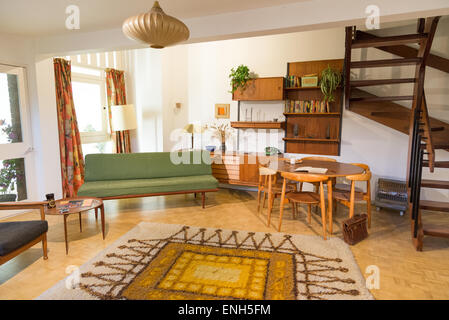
72, 161
116, 92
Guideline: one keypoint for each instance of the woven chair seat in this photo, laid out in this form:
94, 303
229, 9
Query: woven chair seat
346, 196
304, 197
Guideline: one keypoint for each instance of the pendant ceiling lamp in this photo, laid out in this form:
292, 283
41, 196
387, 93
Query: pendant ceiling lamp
156, 28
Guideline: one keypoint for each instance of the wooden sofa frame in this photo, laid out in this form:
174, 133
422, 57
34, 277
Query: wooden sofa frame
20, 206
195, 192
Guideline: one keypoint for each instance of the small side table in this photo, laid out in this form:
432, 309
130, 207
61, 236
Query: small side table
96, 204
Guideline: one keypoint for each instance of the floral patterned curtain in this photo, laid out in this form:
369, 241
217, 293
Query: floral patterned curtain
72, 161
115, 84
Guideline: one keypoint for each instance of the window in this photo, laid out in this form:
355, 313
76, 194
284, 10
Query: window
15, 146
89, 96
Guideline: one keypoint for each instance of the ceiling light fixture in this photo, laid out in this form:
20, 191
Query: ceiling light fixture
156, 28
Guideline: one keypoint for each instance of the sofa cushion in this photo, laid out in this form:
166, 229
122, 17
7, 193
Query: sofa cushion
102, 167
112, 188
14, 235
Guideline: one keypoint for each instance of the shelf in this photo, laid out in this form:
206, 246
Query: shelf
311, 139
314, 114
302, 88
258, 124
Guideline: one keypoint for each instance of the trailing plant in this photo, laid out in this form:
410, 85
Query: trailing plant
239, 77
330, 80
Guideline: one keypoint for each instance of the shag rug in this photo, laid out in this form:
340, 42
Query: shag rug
163, 261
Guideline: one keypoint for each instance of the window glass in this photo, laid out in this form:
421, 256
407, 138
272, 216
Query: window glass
88, 106
10, 122
12, 180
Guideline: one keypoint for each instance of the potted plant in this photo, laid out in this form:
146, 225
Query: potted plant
330, 80
239, 77
222, 131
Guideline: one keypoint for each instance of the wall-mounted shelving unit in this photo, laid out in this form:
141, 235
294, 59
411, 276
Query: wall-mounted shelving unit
317, 132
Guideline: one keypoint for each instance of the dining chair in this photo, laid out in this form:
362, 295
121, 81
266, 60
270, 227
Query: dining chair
306, 197
348, 194
268, 181
315, 185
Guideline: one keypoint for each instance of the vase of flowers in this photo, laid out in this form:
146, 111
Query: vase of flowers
221, 131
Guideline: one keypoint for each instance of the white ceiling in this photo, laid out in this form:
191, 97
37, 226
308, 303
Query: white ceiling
47, 17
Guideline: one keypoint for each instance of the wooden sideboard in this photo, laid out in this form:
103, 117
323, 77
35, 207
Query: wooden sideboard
237, 168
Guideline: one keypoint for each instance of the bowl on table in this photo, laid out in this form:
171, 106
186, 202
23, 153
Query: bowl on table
210, 148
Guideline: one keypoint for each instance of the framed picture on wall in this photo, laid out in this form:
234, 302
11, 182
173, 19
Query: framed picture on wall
222, 111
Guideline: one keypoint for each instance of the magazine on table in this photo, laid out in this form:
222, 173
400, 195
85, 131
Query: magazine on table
311, 170
76, 203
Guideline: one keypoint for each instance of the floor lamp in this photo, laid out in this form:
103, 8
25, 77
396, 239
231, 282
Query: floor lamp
123, 118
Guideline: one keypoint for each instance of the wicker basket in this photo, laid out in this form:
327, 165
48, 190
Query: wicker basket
391, 194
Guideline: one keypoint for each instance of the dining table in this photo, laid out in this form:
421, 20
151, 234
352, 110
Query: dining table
334, 170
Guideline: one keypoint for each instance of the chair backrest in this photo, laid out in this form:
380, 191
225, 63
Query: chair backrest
362, 165
304, 177
360, 177
319, 159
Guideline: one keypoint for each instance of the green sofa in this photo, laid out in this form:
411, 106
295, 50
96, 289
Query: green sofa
116, 176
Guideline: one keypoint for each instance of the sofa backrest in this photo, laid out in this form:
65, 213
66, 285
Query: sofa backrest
102, 167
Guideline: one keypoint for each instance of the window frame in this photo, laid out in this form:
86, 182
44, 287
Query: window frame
105, 134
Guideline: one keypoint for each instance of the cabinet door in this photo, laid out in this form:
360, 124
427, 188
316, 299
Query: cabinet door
262, 89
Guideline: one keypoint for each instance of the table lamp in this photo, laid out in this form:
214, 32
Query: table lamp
193, 128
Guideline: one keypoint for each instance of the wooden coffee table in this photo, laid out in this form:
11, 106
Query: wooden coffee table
96, 204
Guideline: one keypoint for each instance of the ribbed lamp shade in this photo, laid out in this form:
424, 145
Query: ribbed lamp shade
123, 117
156, 28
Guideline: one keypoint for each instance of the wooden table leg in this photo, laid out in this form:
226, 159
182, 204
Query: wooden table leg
329, 204
65, 235
102, 219
96, 214
81, 226
270, 194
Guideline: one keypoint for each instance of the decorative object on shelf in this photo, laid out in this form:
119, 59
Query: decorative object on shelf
309, 80
222, 111
210, 148
328, 132
192, 129
51, 200
239, 77
222, 131
330, 80
295, 130
156, 28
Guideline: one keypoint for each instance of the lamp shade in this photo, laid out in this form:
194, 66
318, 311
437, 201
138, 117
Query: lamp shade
194, 128
123, 117
156, 28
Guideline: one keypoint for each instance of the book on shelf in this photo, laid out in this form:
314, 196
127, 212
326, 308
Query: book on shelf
307, 106
311, 170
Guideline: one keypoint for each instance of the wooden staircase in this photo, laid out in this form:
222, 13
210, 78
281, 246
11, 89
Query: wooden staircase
425, 133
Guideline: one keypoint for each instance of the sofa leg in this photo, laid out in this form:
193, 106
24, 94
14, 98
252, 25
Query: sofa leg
44, 245
203, 199
194, 194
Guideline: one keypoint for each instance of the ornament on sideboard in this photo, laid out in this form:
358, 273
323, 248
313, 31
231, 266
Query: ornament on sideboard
221, 131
